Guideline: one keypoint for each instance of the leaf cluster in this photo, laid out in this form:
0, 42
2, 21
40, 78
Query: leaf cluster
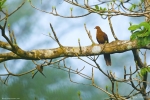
97, 8
132, 7
138, 5
141, 33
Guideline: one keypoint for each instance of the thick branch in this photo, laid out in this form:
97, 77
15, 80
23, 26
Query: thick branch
96, 49
137, 58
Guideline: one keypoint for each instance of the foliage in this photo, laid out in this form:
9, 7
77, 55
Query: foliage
141, 33
132, 7
97, 8
2, 4
144, 70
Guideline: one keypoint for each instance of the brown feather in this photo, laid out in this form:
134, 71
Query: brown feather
102, 38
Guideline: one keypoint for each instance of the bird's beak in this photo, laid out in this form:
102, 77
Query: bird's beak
95, 28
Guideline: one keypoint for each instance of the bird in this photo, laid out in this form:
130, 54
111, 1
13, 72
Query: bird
102, 39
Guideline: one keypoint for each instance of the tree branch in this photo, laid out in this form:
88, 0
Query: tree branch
7, 15
137, 59
111, 27
96, 49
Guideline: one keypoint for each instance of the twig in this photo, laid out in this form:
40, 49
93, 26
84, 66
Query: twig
112, 82
9, 73
48, 63
137, 58
125, 72
74, 81
90, 37
80, 46
56, 14
85, 61
3, 33
132, 84
110, 24
91, 85
7, 15
55, 11
6, 80
145, 58
3, 81
74, 71
92, 76
55, 35
76, 1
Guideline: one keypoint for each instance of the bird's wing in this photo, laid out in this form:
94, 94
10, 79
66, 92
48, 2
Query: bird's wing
106, 38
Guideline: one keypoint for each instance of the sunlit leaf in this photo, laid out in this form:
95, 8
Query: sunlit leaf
133, 27
145, 24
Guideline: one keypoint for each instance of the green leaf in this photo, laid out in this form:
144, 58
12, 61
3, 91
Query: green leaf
113, 0
100, 8
148, 69
132, 7
106, 88
96, 7
145, 24
79, 93
71, 8
141, 33
53, 7
133, 27
144, 35
79, 39
135, 35
2, 4
104, 9
8, 25
144, 70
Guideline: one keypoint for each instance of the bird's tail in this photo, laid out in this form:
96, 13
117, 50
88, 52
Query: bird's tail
107, 59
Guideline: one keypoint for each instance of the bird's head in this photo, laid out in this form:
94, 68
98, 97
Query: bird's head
97, 27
